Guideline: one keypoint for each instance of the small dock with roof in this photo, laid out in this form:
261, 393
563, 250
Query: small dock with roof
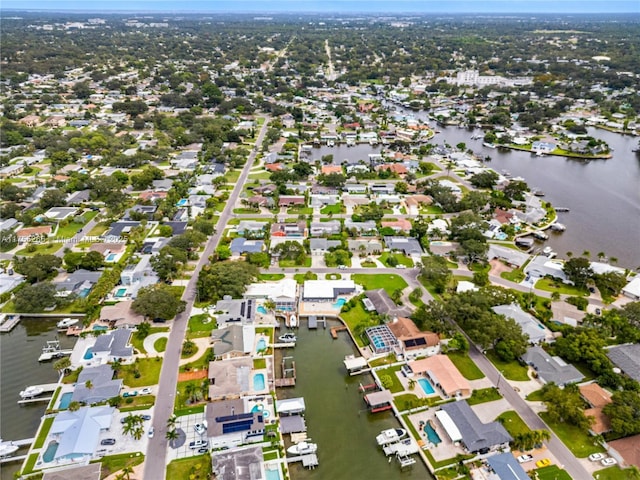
379, 401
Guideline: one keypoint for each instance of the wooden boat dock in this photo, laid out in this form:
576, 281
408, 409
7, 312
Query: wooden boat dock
335, 330
288, 374
8, 321
308, 461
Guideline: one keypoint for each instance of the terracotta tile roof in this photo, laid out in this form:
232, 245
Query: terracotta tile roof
595, 395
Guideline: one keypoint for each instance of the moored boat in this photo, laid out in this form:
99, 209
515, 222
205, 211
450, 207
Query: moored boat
66, 323
302, 448
390, 435
7, 448
31, 391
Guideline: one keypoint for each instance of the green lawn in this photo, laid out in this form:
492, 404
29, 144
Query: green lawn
246, 210
200, 325
431, 210
44, 431
44, 248
614, 473
160, 344
182, 399
535, 396
467, 367
400, 259
301, 277
512, 422
259, 363
300, 211
114, 463
580, 443
396, 386
138, 342
331, 209
355, 317
408, 401
368, 264
191, 468
260, 176
511, 370
31, 462
552, 285
142, 372
293, 264
516, 275
389, 282
271, 276
552, 472
484, 395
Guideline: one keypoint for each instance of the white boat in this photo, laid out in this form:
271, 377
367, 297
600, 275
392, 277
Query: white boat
547, 251
302, 448
390, 435
31, 392
293, 321
7, 448
66, 322
488, 145
558, 227
288, 337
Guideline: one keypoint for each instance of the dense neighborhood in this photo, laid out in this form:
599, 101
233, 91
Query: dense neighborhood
194, 220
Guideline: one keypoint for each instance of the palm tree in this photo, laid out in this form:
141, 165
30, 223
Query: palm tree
74, 406
172, 435
204, 389
138, 431
190, 391
88, 384
270, 305
171, 422
116, 365
62, 365
586, 253
127, 471
600, 255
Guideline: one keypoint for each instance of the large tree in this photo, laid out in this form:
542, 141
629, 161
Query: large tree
35, 298
578, 270
624, 413
158, 302
37, 268
225, 278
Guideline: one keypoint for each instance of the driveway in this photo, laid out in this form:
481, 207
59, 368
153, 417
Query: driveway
186, 424
150, 341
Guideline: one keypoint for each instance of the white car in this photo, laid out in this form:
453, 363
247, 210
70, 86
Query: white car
607, 462
525, 458
200, 428
401, 267
151, 432
596, 457
145, 391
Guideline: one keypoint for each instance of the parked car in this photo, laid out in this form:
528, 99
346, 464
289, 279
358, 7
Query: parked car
342, 267
145, 391
134, 393
151, 432
145, 417
200, 428
198, 444
543, 462
401, 267
525, 458
203, 450
607, 462
108, 441
596, 457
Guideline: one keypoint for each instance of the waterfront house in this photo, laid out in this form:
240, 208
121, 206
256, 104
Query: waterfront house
232, 341
230, 425
111, 346
92, 471
551, 369
462, 424
326, 290
541, 266
443, 375
121, 315
411, 341
379, 401
511, 257
283, 293
632, 289
229, 378
230, 311
78, 433
290, 406
238, 464
383, 304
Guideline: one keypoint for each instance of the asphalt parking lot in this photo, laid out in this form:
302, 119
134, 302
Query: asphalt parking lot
187, 424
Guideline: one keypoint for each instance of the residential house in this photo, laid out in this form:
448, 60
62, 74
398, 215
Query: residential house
238, 464
326, 290
382, 188
551, 369
60, 213
162, 185
140, 211
111, 346
566, 313
291, 200
395, 168
121, 228
95, 385
462, 424
139, 274
325, 228
632, 289
257, 201
407, 245
329, 169
541, 266
361, 228
283, 293
241, 245
531, 327
230, 423
400, 225
79, 282
506, 467
319, 200
412, 342
229, 378
383, 304
251, 229
365, 246
235, 311
320, 246
78, 432
597, 398
120, 315
356, 188
297, 230
33, 234
443, 375
233, 341
627, 359
92, 471
513, 258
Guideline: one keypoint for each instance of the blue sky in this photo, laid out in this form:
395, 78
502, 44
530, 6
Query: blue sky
333, 6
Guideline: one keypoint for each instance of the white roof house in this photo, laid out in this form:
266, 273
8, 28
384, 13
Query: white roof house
449, 426
632, 289
285, 288
327, 289
78, 432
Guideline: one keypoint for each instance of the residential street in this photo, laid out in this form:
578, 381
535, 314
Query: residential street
155, 463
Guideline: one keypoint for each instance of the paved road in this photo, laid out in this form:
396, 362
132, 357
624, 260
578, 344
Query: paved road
155, 464
563, 455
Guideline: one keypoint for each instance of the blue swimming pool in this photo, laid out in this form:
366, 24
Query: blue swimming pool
432, 435
261, 346
182, 202
426, 386
50, 452
98, 328
339, 303
111, 257
258, 381
378, 342
260, 408
121, 292
84, 292
88, 355
272, 474
261, 310
65, 400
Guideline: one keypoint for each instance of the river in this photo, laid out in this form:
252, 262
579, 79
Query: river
603, 195
336, 414
19, 368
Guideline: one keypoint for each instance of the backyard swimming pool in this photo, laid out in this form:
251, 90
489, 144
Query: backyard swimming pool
258, 381
65, 400
260, 408
88, 355
97, 328
182, 202
432, 435
111, 257
261, 310
261, 346
50, 452
378, 342
121, 292
426, 386
272, 474
84, 292
339, 303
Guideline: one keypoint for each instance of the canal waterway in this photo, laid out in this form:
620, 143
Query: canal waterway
336, 415
603, 195
19, 368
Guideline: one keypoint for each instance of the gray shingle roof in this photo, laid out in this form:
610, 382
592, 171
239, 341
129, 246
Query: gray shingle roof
506, 467
627, 358
103, 386
551, 369
475, 434
114, 342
